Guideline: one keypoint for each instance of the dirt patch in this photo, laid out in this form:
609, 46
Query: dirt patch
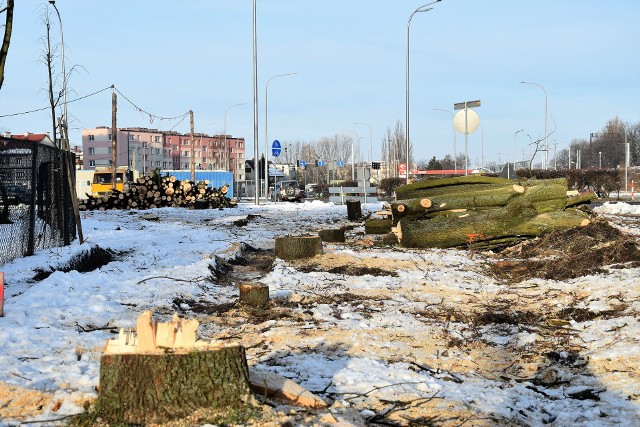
89, 260
337, 263
567, 254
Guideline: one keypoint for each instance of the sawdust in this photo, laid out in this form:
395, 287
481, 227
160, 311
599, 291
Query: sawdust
21, 403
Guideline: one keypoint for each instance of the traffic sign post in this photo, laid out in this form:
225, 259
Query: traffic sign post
276, 148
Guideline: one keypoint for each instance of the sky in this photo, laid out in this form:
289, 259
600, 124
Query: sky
349, 57
355, 352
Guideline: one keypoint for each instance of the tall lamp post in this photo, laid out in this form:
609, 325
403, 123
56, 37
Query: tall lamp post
423, 8
455, 152
370, 139
266, 132
546, 145
226, 149
353, 171
515, 135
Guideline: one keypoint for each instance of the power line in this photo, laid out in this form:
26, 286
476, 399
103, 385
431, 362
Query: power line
152, 117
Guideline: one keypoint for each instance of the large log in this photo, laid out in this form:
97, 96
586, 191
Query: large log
332, 235
354, 211
254, 295
516, 220
163, 373
409, 190
377, 226
493, 197
296, 247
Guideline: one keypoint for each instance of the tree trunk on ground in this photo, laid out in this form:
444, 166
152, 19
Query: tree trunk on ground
354, 212
296, 247
409, 190
254, 295
377, 226
332, 235
156, 388
515, 221
580, 199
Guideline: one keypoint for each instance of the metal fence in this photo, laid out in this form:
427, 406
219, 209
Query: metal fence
36, 211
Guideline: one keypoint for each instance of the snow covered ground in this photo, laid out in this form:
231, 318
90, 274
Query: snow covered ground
401, 340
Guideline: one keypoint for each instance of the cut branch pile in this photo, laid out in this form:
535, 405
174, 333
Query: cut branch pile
155, 192
481, 212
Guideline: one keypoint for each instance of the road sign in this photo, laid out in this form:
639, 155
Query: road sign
276, 149
303, 163
320, 162
339, 163
466, 104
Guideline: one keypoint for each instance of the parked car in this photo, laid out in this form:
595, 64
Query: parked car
289, 191
15, 194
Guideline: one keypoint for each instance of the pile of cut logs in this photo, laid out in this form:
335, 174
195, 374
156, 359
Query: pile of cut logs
478, 212
154, 192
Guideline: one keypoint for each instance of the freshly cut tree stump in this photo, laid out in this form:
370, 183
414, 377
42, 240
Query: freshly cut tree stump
254, 294
163, 373
332, 235
296, 247
354, 212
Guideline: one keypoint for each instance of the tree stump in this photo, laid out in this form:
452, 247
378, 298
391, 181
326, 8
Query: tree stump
163, 373
254, 294
156, 388
354, 212
296, 247
332, 235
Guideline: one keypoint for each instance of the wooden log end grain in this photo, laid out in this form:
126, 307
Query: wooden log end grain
297, 247
254, 295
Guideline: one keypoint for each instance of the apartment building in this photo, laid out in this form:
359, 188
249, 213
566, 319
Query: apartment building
143, 149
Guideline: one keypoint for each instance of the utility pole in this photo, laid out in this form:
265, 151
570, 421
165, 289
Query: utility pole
114, 139
193, 149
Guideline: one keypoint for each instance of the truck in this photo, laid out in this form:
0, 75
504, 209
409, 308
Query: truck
102, 184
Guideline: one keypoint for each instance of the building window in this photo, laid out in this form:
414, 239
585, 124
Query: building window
92, 150
109, 137
130, 137
157, 139
92, 137
164, 165
92, 163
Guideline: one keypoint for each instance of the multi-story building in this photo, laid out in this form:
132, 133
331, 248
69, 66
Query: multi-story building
143, 149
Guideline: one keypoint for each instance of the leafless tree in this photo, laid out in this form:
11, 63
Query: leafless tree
8, 27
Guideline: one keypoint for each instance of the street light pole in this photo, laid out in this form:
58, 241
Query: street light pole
515, 135
225, 154
266, 132
370, 139
546, 145
423, 8
455, 153
353, 173
64, 73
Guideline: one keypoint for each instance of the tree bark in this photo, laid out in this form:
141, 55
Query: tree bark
410, 190
354, 212
296, 247
254, 295
377, 226
156, 388
6, 40
332, 235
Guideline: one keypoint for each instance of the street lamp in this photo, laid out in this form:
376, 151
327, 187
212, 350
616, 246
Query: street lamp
455, 152
266, 133
514, 151
546, 146
225, 154
64, 73
370, 139
420, 9
353, 171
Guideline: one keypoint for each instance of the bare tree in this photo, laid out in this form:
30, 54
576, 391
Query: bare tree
8, 27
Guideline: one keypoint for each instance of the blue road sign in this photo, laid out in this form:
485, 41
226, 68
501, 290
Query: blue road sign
339, 163
276, 149
303, 163
320, 162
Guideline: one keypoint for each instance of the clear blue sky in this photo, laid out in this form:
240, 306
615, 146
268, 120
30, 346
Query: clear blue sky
172, 56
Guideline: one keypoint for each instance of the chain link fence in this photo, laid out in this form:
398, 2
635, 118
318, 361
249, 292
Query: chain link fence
36, 211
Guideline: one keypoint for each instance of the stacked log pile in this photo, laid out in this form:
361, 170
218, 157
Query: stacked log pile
155, 192
480, 212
